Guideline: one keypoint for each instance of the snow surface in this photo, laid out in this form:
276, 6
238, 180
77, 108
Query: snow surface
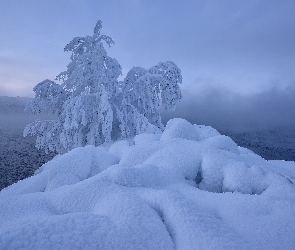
187, 188
286, 168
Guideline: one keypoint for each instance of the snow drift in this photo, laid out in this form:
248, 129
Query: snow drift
187, 188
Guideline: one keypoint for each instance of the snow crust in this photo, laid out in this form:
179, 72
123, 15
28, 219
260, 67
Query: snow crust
187, 188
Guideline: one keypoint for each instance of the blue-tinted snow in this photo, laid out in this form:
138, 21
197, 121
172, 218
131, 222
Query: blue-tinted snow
187, 188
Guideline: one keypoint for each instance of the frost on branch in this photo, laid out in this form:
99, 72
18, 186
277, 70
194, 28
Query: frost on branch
148, 89
92, 107
49, 98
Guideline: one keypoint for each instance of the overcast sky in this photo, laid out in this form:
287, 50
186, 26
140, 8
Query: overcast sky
236, 49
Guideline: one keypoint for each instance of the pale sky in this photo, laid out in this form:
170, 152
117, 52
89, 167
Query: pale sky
246, 46
237, 57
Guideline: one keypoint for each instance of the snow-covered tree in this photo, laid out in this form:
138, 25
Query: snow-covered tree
92, 106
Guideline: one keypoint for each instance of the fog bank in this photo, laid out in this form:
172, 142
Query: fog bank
225, 110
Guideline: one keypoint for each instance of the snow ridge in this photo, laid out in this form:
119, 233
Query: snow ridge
186, 188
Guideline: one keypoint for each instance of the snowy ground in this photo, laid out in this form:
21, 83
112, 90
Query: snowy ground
19, 158
188, 188
271, 145
286, 168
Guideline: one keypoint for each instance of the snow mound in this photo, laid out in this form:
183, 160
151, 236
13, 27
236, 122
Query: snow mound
187, 188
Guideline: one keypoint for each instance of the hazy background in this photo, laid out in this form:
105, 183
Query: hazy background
271, 109
19, 158
237, 57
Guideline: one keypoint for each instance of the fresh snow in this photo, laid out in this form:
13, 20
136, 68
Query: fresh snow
286, 168
186, 188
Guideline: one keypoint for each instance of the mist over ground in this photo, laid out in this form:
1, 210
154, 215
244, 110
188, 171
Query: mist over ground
19, 158
221, 108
